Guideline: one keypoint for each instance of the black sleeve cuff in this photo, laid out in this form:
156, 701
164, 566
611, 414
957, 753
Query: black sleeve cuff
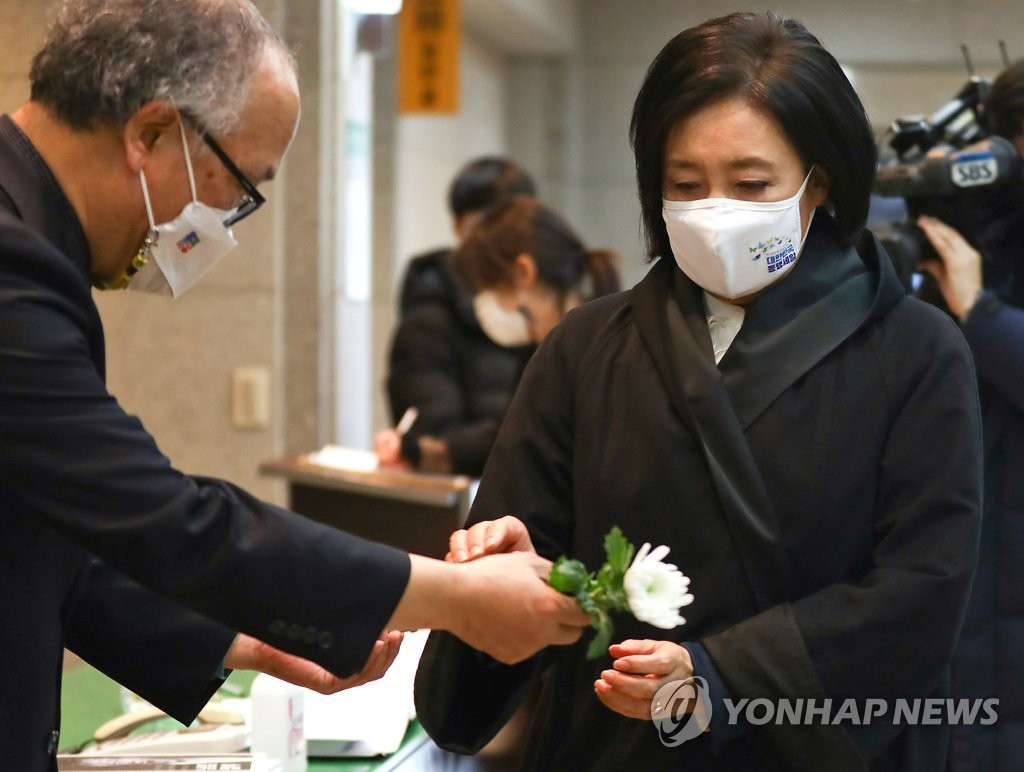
986, 304
724, 725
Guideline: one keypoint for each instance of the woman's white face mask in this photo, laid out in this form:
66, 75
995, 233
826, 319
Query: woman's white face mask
179, 252
734, 248
509, 328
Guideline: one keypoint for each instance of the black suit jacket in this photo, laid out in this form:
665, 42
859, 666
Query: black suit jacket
81, 482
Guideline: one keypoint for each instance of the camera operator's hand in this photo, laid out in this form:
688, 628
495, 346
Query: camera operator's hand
959, 272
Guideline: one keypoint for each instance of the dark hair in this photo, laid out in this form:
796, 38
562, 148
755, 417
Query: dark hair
776, 66
1004, 106
104, 59
522, 225
486, 181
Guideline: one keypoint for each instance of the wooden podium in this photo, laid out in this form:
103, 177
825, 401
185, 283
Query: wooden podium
413, 511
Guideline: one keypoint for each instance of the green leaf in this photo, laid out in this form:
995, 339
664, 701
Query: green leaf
568, 576
618, 550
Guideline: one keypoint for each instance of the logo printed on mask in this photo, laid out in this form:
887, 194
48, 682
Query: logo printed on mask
191, 240
779, 251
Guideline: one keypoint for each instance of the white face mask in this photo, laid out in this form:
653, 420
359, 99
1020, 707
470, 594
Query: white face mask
182, 250
735, 248
504, 327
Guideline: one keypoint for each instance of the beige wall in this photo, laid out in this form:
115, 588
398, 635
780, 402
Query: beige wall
23, 27
170, 362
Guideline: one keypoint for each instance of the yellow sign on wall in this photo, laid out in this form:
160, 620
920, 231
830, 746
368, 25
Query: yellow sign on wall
428, 56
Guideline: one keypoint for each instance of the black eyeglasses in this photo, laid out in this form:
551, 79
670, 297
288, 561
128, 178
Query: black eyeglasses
252, 200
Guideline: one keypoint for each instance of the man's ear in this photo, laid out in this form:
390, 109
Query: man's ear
524, 271
144, 130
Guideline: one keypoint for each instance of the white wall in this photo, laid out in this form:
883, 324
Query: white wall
415, 158
429, 150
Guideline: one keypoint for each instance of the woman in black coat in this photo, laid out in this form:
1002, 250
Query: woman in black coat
458, 362
769, 404
441, 362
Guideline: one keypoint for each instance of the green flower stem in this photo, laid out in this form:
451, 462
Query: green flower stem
598, 594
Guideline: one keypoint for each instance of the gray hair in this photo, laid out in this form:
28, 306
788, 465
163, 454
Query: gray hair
104, 59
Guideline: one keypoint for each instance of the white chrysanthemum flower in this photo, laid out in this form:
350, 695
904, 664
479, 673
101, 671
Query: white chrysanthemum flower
656, 590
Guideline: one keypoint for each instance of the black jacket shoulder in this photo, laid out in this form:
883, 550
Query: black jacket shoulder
429, 278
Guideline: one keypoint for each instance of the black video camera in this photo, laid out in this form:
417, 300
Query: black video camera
948, 166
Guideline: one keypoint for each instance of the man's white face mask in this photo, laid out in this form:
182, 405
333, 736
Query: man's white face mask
179, 252
735, 248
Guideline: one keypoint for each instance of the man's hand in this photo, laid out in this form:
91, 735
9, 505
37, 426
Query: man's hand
491, 537
639, 670
499, 604
248, 653
958, 273
510, 611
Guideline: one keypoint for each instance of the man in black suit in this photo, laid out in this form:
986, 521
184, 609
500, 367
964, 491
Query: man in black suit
149, 125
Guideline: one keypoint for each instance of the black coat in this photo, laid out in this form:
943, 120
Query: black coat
821, 488
443, 364
989, 661
81, 480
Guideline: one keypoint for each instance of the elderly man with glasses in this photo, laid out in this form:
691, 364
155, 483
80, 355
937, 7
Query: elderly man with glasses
149, 125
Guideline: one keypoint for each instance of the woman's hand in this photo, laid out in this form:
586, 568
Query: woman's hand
388, 445
958, 273
506, 534
639, 670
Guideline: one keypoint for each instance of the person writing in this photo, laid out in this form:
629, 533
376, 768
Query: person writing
982, 285
441, 362
148, 129
525, 268
769, 404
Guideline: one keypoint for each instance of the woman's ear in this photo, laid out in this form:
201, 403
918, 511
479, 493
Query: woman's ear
818, 187
144, 129
524, 271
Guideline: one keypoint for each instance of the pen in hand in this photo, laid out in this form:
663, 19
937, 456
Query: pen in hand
388, 443
408, 419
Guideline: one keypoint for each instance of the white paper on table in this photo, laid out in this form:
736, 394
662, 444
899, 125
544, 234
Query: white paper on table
345, 459
370, 719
